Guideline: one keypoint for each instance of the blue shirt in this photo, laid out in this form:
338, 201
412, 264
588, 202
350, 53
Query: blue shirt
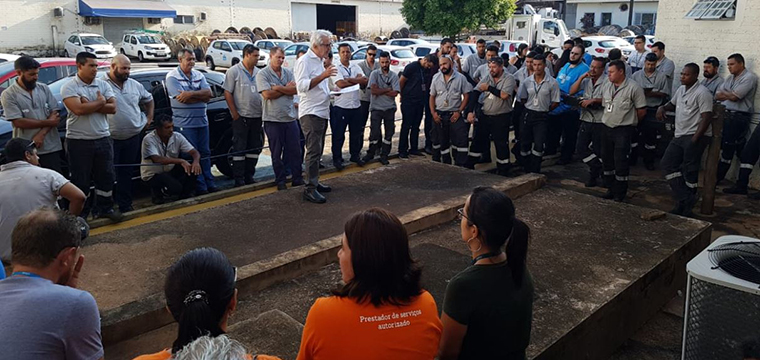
566, 78
587, 58
187, 115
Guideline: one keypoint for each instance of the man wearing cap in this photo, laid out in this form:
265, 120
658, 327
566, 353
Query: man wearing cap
449, 93
657, 91
711, 81
540, 94
693, 105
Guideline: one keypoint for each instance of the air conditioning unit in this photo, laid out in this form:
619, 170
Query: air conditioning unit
58, 12
203, 16
154, 20
92, 20
722, 299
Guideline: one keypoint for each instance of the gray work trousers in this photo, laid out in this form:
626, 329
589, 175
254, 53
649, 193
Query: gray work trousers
314, 129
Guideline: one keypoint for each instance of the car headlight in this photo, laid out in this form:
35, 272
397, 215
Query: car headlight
89, 49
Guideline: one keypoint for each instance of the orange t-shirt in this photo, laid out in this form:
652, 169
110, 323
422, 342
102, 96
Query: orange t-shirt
167, 354
340, 328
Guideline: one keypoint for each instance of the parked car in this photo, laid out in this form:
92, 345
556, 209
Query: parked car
91, 43
292, 51
601, 45
264, 47
466, 49
144, 46
225, 52
510, 46
406, 42
51, 69
650, 40
8, 58
6, 133
400, 56
421, 50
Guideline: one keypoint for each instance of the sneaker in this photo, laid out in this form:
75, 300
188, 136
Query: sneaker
735, 190
113, 215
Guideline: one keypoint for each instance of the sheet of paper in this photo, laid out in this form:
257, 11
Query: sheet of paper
346, 90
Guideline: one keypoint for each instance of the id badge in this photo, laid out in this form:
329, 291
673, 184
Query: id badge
445, 103
609, 108
535, 101
253, 89
424, 88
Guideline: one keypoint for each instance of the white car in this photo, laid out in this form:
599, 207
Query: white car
91, 43
291, 53
406, 42
510, 46
466, 49
650, 40
601, 45
225, 52
421, 50
265, 45
401, 56
8, 58
144, 47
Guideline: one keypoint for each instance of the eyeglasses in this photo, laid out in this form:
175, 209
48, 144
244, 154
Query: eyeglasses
461, 213
326, 45
371, 54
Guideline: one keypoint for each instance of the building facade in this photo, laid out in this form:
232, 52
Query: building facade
610, 12
36, 26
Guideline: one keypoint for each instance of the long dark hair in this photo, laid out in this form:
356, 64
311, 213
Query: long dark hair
198, 289
493, 213
564, 59
384, 272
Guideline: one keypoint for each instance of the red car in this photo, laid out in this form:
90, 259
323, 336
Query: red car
51, 70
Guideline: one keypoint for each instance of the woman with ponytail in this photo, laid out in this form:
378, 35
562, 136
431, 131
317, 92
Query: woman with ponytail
488, 307
201, 295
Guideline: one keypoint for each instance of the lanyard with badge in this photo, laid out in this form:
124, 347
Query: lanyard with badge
251, 78
614, 94
347, 70
422, 80
448, 86
537, 90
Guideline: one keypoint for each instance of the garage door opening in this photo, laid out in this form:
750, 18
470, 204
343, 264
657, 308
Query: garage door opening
339, 19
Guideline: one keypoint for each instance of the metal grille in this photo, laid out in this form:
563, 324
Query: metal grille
740, 259
718, 319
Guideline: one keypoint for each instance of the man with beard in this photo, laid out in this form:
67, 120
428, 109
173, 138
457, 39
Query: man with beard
711, 81
589, 145
33, 111
414, 96
368, 66
449, 93
540, 94
384, 85
664, 65
474, 61
126, 126
656, 91
564, 121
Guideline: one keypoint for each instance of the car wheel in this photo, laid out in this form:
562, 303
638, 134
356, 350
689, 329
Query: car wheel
140, 56
122, 52
65, 53
235, 61
210, 63
224, 163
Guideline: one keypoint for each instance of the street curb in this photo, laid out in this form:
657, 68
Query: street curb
149, 313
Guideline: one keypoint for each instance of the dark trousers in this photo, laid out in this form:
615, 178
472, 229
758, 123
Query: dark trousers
411, 112
735, 130
644, 140
428, 124
517, 116
173, 183
381, 121
533, 138
616, 147
52, 161
314, 129
92, 160
199, 138
589, 147
450, 138
568, 126
247, 141
283, 144
340, 120
125, 152
749, 156
681, 163
494, 127
553, 133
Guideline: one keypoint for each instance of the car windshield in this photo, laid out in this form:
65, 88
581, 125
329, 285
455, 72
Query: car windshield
282, 44
613, 43
94, 40
238, 45
403, 54
147, 39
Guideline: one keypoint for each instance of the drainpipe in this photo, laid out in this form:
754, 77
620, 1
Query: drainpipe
54, 29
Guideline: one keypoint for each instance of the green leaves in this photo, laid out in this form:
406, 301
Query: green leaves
450, 17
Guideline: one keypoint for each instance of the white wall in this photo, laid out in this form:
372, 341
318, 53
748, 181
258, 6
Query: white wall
688, 40
618, 17
304, 16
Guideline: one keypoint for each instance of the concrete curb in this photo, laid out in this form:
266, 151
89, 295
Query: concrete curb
149, 313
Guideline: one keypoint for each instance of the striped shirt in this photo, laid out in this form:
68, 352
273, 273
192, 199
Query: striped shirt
187, 115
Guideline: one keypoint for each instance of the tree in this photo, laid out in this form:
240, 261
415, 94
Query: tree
450, 17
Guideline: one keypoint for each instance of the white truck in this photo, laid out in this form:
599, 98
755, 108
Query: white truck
537, 27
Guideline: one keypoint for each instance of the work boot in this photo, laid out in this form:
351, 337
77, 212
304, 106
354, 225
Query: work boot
736, 189
678, 209
592, 181
384, 160
314, 196
323, 188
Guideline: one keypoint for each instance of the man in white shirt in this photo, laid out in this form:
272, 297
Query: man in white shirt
347, 111
314, 108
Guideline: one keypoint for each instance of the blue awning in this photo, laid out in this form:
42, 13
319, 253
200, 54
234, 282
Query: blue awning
126, 8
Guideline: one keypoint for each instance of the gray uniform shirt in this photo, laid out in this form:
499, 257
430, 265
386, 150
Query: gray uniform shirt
539, 97
366, 93
383, 81
448, 95
667, 67
744, 87
592, 90
712, 84
620, 104
152, 146
87, 127
129, 120
657, 82
280, 109
637, 59
242, 85
472, 63
23, 188
690, 105
17, 104
494, 105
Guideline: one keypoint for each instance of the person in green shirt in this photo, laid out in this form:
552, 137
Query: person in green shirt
488, 307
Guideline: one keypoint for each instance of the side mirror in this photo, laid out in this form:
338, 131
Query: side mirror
77, 43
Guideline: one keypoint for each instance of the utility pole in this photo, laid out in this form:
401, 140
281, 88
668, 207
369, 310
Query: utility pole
630, 13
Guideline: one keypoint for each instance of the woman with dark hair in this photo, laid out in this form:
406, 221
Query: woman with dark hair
381, 312
200, 294
564, 59
522, 50
488, 308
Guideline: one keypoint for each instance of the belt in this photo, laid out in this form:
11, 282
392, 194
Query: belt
445, 112
536, 112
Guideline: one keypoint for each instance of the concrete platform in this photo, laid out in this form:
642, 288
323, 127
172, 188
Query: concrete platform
600, 272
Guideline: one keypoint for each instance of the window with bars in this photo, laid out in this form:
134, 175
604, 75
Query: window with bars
712, 10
